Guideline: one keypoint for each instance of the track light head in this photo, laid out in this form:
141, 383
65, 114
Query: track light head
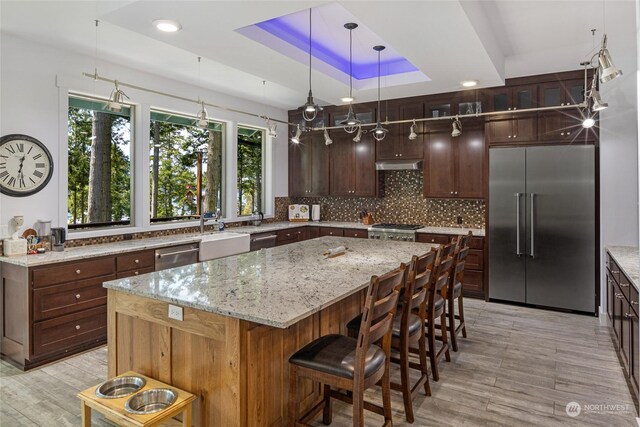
456, 127
606, 69
203, 120
271, 126
412, 132
116, 99
327, 138
296, 137
588, 122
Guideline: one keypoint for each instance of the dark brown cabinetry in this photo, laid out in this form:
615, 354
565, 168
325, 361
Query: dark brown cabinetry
353, 170
299, 234
455, 167
309, 166
513, 98
512, 130
622, 310
474, 264
396, 145
562, 126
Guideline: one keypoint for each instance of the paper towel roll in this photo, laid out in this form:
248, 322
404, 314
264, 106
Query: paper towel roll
315, 213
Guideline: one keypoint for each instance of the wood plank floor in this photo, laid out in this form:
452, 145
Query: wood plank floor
518, 367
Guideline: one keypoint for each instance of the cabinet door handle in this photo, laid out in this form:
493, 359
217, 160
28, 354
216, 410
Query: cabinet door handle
455, 192
400, 155
615, 272
77, 327
77, 296
452, 192
135, 273
137, 261
634, 302
509, 108
619, 296
355, 234
78, 271
629, 315
624, 285
509, 136
562, 133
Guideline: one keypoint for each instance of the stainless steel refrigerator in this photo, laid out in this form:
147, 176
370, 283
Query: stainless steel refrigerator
542, 231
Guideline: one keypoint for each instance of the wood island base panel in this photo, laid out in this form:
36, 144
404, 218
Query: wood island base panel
238, 369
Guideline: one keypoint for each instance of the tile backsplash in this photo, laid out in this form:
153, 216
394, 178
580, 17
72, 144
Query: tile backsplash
402, 203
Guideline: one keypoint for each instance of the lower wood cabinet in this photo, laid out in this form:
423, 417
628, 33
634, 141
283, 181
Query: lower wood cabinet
299, 234
474, 271
331, 231
622, 311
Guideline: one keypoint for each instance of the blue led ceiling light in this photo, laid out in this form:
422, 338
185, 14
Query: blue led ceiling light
291, 30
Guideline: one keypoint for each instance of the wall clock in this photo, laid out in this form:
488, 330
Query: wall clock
26, 165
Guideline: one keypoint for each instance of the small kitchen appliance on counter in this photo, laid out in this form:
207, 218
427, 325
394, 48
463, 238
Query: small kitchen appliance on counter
298, 213
315, 212
58, 237
15, 245
399, 232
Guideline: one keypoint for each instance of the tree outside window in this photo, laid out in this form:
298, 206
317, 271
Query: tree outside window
185, 167
250, 170
100, 169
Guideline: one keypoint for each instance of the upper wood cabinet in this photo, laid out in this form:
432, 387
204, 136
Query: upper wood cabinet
512, 98
512, 130
396, 145
455, 167
309, 166
561, 93
353, 171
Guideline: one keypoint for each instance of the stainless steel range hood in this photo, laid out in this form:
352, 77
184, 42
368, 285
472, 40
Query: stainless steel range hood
394, 165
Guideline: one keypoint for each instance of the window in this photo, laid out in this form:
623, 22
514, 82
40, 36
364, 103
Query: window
185, 167
100, 169
250, 170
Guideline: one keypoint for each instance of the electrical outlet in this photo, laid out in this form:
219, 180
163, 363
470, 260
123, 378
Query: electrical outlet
459, 220
175, 312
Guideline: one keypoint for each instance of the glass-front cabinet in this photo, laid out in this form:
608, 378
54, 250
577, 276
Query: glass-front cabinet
513, 98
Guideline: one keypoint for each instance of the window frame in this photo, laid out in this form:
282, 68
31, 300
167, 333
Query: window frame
263, 162
88, 230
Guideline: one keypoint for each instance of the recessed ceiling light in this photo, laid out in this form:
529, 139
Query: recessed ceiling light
347, 99
167, 25
469, 83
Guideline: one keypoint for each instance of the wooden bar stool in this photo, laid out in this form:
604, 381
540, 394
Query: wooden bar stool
345, 363
454, 291
435, 310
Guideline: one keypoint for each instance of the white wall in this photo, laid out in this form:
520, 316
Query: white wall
619, 138
34, 81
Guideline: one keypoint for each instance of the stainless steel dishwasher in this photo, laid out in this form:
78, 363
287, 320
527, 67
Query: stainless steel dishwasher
262, 240
177, 256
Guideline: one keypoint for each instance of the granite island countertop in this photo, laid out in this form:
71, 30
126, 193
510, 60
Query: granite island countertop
276, 286
628, 259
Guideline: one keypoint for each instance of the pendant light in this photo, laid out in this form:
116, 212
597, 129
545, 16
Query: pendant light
310, 108
379, 132
351, 123
201, 119
296, 138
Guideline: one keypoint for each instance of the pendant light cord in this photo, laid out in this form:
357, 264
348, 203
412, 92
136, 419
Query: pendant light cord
309, 49
96, 55
378, 87
350, 64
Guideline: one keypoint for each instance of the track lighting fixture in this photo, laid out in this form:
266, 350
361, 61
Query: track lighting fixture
588, 122
296, 137
327, 138
412, 132
203, 120
597, 103
606, 69
358, 136
351, 123
456, 127
116, 99
272, 128
310, 108
379, 132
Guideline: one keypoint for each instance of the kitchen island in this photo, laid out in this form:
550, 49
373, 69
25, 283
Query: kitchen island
242, 317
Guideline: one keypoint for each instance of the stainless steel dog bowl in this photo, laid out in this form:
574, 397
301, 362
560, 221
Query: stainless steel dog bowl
119, 387
150, 401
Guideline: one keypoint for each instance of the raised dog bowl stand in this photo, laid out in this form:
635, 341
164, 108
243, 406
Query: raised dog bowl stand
114, 408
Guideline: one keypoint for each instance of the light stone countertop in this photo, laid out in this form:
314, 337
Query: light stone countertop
628, 259
276, 286
104, 249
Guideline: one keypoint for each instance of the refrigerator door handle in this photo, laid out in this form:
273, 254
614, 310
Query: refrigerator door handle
532, 253
518, 251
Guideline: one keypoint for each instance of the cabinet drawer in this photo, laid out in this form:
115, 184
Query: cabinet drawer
64, 299
476, 243
56, 274
474, 260
433, 238
135, 261
131, 273
286, 242
354, 232
64, 332
473, 283
331, 231
288, 234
